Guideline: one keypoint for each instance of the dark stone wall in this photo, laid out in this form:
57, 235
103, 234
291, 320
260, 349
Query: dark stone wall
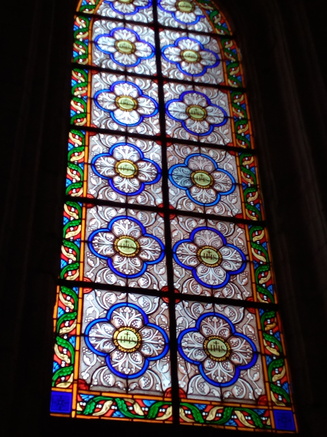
282, 42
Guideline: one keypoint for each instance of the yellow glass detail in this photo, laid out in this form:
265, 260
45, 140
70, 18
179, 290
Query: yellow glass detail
125, 47
127, 339
185, 6
209, 256
190, 56
217, 348
127, 246
126, 103
196, 112
126, 168
202, 179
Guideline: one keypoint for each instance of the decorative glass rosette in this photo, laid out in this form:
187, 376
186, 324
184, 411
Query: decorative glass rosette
123, 169
126, 169
203, 179
124, 104
129, 47
218, 351
125, 251
182, 14
136, 10
209, 257
126, 343
191, 57
207, 261
126, 340
197, 115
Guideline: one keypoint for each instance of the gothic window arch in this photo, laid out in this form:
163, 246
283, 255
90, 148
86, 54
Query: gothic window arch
166, 309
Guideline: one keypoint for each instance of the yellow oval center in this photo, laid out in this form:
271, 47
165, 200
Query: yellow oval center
126, 103
125, 47
127, 246
190, 56
185, 6
202, 179
196, 112
126, 168
217, 348
209, 256
127, 339
126, 1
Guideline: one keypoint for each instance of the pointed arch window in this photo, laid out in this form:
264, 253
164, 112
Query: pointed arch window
166, 308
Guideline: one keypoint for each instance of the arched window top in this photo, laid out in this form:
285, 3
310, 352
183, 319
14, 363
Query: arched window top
166, 309
181, 14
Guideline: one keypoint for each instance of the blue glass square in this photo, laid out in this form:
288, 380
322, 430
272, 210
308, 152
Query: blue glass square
61, 402
284, 420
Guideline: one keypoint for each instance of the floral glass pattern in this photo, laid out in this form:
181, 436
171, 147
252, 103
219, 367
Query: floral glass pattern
222, 199
126, 247
126, 103
140, 179
138, 10
183, 11
124, 47
127, 340
218, 353
190, 56
180, 13
217, 349
166, 309
148, 317
202, 179
196, 112
210, 258
126, 169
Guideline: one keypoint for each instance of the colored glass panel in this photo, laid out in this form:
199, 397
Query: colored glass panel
124, 344
197, 114
136, 10
125, 248
166, 309
203, 180
210, 257
124, 103
218, 353
182, 14
121, 47
189, 57
124, 170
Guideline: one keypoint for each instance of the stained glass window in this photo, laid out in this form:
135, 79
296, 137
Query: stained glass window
166, 307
